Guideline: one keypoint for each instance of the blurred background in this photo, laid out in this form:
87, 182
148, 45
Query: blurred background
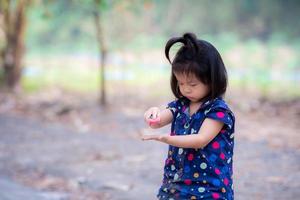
76, 77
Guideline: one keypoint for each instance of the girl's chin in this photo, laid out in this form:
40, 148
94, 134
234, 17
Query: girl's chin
192, 99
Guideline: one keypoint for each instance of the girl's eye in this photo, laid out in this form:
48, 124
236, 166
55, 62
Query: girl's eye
193, 85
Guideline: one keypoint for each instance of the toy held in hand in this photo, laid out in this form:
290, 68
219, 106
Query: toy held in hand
153, 120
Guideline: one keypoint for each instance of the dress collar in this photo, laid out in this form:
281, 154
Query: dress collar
186, 102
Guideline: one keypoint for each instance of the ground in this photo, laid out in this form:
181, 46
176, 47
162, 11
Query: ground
57, 149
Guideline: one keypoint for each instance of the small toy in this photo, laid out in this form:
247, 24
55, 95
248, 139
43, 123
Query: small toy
153, 121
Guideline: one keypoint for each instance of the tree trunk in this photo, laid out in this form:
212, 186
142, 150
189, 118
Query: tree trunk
12, 55
102, 50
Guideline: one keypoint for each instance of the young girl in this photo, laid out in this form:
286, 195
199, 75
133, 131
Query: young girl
199, 160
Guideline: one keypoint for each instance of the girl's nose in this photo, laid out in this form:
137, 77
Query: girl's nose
187, 90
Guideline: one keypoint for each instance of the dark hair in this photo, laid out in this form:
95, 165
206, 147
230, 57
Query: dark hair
200, 58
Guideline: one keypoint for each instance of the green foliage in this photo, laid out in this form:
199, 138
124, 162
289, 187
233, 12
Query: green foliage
261, 35
65, 24
63, 77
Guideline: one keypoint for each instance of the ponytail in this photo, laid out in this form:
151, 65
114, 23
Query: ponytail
189, 41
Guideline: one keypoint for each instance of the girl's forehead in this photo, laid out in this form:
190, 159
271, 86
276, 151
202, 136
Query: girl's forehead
185, 77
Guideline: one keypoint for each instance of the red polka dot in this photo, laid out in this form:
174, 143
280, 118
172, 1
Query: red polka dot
223, 131
191, 157
216, 145
217, 171
222, 155
220, 114
188, 181
226, 181
215, 195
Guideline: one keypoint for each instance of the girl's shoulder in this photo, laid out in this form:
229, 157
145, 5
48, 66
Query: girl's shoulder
219, 110
177, 105
218, 103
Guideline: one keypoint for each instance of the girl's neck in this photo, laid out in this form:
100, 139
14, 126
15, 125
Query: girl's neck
194, 106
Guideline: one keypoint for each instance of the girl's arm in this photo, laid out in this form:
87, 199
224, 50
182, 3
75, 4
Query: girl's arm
161, 118
208, 131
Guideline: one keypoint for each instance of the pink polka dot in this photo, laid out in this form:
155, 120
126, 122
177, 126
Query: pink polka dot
223, 131
168, 161
222, 155
215, 195
226, 181
216, 145
217, 171
220, 114
188, 181
191, 157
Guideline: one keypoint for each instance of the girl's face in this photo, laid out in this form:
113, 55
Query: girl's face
190, 87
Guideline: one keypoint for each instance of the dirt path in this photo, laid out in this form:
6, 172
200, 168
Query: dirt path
40, 160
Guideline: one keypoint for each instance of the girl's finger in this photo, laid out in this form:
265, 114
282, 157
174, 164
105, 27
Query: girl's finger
148, 137
155, 113
145, 137
158, 115
148, 114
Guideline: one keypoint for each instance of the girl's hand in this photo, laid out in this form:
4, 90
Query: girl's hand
152, 116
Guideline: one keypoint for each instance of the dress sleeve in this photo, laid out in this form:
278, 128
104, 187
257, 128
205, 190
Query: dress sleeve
221, 113
174, 107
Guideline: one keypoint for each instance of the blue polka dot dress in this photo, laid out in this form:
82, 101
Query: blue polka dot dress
204, 173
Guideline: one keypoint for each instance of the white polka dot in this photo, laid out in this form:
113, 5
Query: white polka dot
180, 151
229, 160
203, 165
172, 167
176, 177
201, 189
